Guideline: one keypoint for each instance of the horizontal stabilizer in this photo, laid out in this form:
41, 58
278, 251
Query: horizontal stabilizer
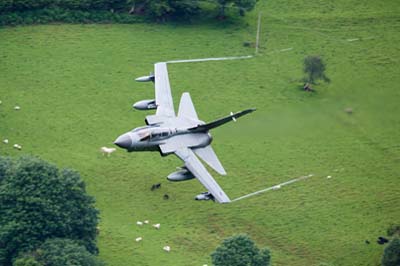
219, 122
208, 155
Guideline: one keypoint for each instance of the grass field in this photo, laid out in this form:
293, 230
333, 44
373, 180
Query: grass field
75, 86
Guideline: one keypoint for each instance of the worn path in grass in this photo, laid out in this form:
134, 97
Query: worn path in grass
75, 87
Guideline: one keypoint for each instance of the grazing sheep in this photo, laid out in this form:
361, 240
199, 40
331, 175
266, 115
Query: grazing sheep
348, 110
17, 108
146, 221
107, 151
329, 176
17, 146
167, 248
138, 239
5, 141
156, 226
139, 223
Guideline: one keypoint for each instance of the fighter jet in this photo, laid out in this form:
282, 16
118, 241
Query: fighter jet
184, 135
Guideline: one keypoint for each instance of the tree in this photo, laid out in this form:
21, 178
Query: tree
314, 68
391, 255
240, 250
163, 10
38, 201
242, 5
58, 251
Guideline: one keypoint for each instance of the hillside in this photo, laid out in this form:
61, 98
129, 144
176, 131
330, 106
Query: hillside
75, 86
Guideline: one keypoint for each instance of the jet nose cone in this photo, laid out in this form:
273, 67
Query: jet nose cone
124, 141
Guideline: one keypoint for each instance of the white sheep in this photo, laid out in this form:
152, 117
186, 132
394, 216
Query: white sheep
146, 221
329, 177
17, 108
5, 141
107, 151
139, 223
167, 248
138, 239
156, 226
17, 146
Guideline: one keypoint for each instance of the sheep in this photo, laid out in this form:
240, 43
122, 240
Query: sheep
167, 248
17, 108
146, 221
138, 239
349, 110
5, 141
156, 226
17, 146
139, 223
107, 151
329, 177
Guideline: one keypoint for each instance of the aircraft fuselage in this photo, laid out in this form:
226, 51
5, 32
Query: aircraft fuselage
149, 138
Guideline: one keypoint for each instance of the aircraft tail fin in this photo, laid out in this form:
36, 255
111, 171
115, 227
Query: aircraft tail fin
208, 155
221, 121
186, 107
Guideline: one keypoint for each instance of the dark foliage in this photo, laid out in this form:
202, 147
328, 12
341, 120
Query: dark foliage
314, 68
242, 6
391, 255
38, 201
16, 12
44, 16
56, 252
238, 251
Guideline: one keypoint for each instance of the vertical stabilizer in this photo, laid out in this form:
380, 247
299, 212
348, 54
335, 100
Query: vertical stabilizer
186, 107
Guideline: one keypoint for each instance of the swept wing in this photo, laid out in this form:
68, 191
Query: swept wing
193, 164
164, 102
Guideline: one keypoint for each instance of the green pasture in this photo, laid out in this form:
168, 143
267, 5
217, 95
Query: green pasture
74, 84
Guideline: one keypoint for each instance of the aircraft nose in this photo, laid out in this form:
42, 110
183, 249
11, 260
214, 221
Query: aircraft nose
124, 141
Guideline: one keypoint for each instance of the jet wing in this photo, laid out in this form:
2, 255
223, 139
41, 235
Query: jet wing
194, 165
164, 102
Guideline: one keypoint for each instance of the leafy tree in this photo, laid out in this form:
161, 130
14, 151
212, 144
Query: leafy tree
242, 5
314, 68
240, 250
163, 10
58, 251
38, 201
391, 255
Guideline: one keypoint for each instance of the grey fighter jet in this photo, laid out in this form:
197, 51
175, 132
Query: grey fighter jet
183, 134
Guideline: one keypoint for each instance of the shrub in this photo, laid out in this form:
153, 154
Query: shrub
38, 201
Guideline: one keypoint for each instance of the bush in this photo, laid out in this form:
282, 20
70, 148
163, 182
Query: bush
57, 252
391, 255
38, 201
314, 68
238, 251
